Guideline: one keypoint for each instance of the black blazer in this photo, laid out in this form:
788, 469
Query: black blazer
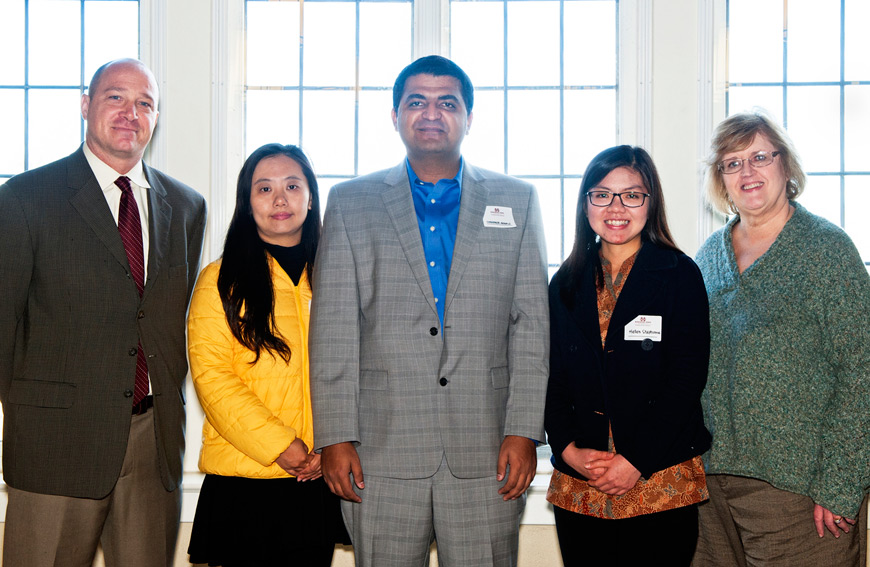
70, 320
650, 392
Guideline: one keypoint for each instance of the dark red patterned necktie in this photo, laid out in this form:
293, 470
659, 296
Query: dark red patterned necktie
130, 228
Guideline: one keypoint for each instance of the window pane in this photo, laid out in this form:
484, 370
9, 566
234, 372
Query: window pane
857, 40
742, 99
383, 55
12, 127
590, 126
12, 43
477, 41
572, 194
590, 27
347, 60
55, 124
484, 144
533, 132
55, 23
821, 196
273, 43
550, 197
123, 19
271, 116
813, 40
379, 144
856, 122
814, 126
857, 190
328, 133
533, 43
560, 108
755, 41
330, 44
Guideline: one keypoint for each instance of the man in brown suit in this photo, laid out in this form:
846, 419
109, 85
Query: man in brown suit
92, 347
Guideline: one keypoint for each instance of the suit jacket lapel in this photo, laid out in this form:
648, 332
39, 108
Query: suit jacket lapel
88, 200
159, 220
641, 287
400, 206
472, 204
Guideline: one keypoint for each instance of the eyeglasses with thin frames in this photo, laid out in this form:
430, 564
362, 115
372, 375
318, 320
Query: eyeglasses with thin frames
630, 199
756, 160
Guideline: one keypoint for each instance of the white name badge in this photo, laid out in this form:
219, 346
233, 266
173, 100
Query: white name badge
644, 327
499, 217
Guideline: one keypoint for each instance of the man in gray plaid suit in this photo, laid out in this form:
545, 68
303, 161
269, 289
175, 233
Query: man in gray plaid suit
429, 341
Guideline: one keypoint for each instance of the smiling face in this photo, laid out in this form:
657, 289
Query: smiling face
280, 200
121, 113
756, 191
432, 118
618, 226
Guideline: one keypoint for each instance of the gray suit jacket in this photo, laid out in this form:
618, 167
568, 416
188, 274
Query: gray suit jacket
378, 354
70, 320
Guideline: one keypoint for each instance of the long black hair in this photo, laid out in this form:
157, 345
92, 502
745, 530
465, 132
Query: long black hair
245, 281
586, 242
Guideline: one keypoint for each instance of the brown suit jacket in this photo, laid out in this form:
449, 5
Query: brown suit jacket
70, 320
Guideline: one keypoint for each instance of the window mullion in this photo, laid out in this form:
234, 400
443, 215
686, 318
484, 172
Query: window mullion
431, 28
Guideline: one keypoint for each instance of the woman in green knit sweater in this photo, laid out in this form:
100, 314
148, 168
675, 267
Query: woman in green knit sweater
788, 392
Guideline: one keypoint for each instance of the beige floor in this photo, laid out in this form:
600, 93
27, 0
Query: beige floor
538, 548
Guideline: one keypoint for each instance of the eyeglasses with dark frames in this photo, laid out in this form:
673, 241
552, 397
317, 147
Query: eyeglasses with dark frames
630, 199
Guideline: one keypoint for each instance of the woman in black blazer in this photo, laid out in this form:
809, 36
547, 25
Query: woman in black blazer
628, 362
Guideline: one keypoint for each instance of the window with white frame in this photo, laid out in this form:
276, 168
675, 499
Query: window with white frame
320, 74
51, 48
543, 106
806, 62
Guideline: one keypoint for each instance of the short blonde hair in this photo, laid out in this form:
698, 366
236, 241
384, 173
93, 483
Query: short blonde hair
736, 133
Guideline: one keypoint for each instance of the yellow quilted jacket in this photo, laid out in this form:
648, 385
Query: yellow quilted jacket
253, 412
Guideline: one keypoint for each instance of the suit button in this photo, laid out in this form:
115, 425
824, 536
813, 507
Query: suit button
128, 393
646, 344
433, 331
132, 352
443, 381
141, 315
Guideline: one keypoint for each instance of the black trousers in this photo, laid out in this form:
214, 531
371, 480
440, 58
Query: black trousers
664, 538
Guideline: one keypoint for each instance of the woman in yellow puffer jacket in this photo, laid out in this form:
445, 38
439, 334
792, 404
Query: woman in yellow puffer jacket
263, 501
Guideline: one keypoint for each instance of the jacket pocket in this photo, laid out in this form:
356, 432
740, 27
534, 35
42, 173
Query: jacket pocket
500, 377
41, 393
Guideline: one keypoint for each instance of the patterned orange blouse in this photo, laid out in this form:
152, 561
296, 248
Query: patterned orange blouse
674, 487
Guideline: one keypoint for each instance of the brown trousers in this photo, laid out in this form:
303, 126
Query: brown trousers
749, 523
137, 523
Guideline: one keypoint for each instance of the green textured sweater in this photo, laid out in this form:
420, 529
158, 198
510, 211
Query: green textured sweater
788, 392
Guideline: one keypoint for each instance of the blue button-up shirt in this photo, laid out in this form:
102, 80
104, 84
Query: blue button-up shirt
437, 207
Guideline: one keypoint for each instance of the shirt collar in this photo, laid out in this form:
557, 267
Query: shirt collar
106, 176
415, 181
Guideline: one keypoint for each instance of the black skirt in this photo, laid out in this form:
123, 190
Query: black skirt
265, 522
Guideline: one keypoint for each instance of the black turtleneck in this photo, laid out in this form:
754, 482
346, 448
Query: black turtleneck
290, 258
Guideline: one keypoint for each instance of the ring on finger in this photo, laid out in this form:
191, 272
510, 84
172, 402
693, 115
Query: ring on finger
838, 520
